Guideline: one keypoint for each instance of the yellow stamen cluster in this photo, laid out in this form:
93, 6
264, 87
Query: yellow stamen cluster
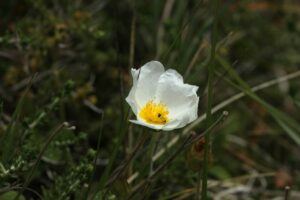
155, 113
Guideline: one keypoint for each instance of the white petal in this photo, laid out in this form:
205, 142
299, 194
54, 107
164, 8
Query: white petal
131, 96
186, 117
176, 123
181, 99
175, 75
153, 126
147, 82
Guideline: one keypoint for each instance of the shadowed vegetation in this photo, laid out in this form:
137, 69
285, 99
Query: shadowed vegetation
65, 73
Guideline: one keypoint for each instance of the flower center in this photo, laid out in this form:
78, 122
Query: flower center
155, 113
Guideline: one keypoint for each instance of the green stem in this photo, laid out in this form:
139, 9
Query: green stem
211, 64
131, 62
101, 113
153, 147
125, 165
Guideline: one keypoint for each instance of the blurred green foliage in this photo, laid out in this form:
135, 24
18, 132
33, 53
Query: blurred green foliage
79, 54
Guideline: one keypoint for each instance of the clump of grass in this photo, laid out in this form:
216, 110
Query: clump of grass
71, 139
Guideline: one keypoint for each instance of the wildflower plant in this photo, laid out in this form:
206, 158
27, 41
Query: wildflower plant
159, 98
83, 118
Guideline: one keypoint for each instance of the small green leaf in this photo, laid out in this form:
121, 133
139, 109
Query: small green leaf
11, 196
219, 172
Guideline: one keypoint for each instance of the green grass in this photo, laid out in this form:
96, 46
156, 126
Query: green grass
65, 73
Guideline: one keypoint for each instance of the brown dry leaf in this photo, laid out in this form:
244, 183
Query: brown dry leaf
254, 6
282, 178
195, 156
259, 6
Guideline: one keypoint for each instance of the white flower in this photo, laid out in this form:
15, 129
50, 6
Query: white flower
159, 98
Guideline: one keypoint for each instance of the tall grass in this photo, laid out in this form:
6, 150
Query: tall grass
66, 133
211, 66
